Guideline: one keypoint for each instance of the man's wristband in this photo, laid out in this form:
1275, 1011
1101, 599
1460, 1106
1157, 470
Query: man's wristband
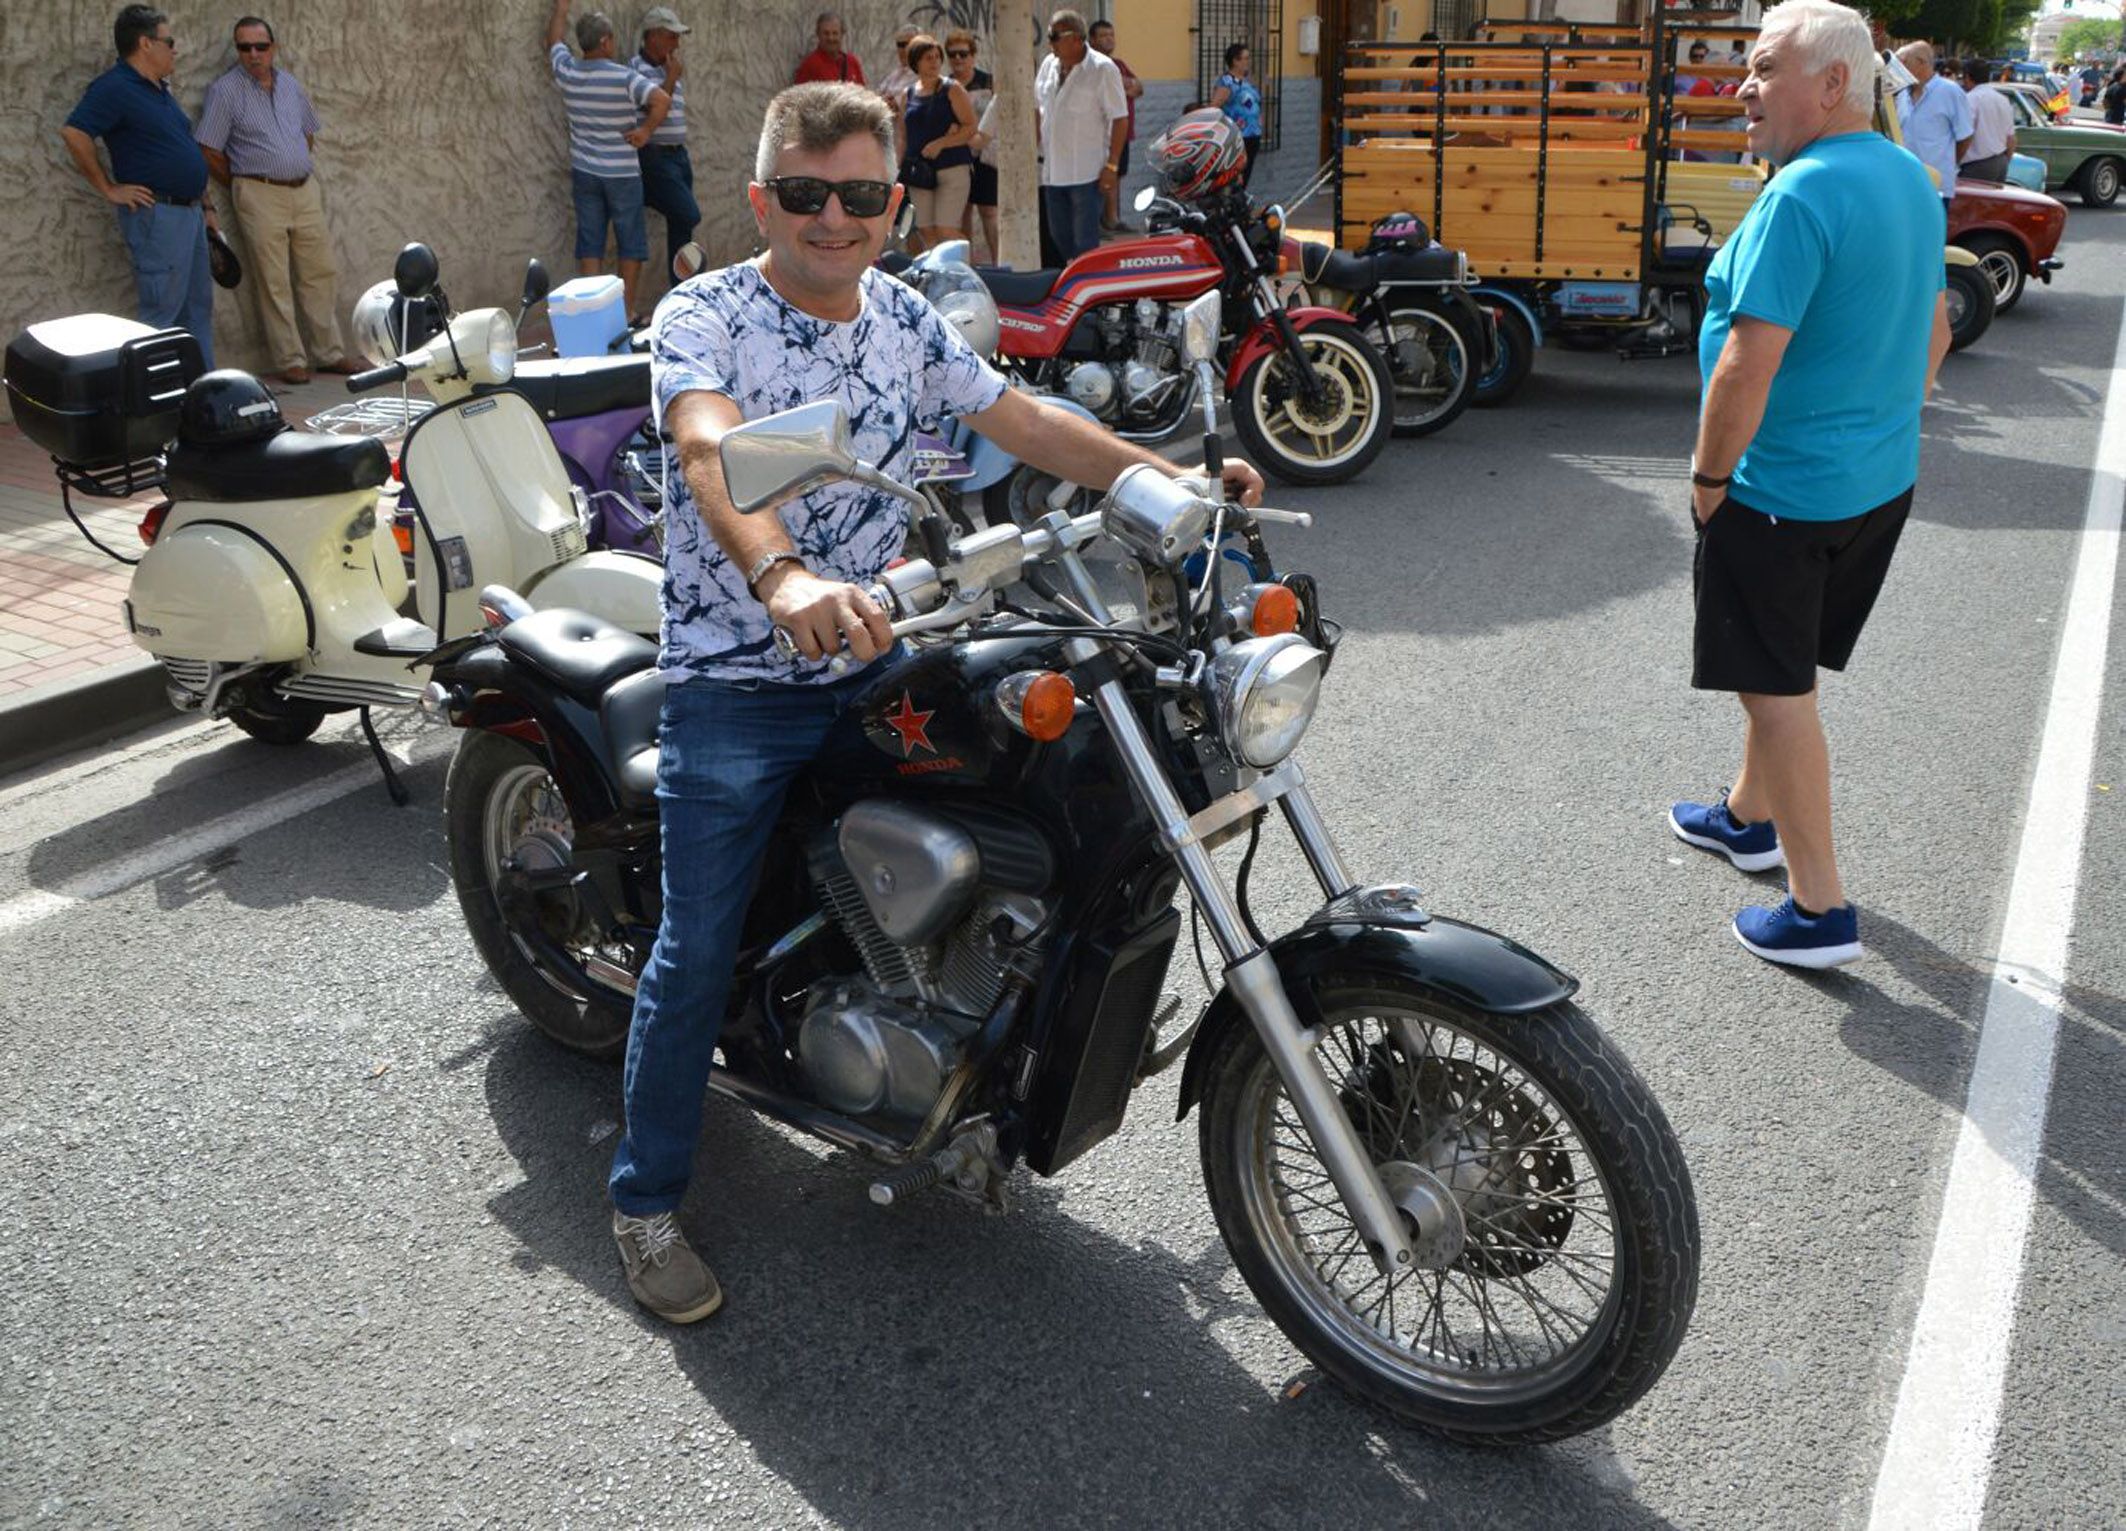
1707, 481
763, 564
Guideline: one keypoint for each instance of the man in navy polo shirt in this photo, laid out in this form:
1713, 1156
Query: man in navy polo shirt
158, 177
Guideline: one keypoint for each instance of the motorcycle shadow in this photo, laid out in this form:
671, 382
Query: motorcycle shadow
1030, 1368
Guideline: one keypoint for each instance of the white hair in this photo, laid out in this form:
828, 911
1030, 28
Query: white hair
1824, 33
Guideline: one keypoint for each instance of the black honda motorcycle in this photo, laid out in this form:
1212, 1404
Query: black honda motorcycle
1436, 1174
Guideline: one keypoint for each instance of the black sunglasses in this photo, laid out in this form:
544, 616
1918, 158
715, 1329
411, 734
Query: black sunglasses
959, 53
253, 47
1057, 34
808, 194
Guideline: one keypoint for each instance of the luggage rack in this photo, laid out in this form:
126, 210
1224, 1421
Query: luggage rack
112, 481
382, 417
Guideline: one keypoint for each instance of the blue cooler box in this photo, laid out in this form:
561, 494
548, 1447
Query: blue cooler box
588, 314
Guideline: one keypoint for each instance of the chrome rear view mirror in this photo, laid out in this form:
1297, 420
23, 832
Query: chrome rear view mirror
768, 460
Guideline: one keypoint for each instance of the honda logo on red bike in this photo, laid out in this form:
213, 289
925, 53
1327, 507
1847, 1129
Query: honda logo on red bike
1145, 262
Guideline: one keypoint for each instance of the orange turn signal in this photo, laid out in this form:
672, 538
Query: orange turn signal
402, 534
1276, 611
1038, 703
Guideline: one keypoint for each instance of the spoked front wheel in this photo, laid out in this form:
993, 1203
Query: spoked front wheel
1433, 363
1331, 437
1556, 1232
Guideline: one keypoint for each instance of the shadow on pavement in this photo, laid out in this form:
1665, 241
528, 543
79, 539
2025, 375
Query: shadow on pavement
1931, 1045
933, 1362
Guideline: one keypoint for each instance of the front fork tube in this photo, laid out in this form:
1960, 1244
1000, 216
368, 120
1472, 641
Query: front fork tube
1251, 971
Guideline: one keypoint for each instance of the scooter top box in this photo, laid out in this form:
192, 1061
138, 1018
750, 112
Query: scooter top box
95, 390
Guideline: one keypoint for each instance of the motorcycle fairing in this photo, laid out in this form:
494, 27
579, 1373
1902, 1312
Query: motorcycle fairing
1466, 964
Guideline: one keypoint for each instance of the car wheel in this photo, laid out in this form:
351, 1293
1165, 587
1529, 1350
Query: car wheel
2099, 182
2002, 261
1970, 304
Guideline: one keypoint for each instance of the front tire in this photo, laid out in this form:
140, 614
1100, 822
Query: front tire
504, 810
2098, 182
1328, 442
1510, 368
1432, 361
2002, 261
1576, 1269
283, 724
1970, 294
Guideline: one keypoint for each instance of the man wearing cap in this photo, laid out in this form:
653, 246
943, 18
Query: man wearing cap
256, 132
158, 177
667, 173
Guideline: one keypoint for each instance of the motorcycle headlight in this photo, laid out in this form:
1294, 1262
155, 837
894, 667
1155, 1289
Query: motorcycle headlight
1264, 691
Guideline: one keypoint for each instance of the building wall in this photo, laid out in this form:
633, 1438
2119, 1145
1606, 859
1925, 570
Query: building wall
441, 124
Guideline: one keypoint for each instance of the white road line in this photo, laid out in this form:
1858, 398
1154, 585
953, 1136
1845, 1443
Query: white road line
27, 909
1940, 1450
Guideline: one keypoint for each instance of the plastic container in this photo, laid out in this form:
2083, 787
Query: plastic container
96, 391
588, 313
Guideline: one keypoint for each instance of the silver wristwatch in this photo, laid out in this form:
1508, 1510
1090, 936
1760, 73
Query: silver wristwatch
764, 563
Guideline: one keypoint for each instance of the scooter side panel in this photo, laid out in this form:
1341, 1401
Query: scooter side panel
622, 588
491, 485
212, 590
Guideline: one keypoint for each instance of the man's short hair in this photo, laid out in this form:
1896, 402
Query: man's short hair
960, 35
826, 16
254, 21
1096, 26
135, 22
816, 118
1070, 20
592, 28
1826, 33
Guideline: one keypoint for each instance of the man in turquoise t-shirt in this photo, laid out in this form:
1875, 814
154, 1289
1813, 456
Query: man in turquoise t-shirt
1824, 325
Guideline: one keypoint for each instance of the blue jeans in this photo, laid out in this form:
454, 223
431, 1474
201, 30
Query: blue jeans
609, 199
727, 753
668, 187
1073, 217
168, 246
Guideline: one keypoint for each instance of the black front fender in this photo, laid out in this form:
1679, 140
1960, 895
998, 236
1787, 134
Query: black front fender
1466, 964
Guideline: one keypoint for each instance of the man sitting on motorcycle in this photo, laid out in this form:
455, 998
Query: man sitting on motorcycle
809, 320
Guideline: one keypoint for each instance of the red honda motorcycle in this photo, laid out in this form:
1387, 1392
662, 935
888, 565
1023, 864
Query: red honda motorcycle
1311, 396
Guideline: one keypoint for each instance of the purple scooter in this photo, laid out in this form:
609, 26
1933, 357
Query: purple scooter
597, 409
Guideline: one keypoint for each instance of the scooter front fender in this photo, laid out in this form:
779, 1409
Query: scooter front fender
623, 588
1262, 337
990, 462
1464, 964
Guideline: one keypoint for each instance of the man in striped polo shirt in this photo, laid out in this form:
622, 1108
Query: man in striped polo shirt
256, 131
667, 173
612, 111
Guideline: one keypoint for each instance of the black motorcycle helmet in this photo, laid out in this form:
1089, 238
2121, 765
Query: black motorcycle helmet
226, 408
1399, 231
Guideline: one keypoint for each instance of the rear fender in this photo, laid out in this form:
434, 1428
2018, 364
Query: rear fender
488, 691
1464, 964
622, 588
1514, 301
1262, 337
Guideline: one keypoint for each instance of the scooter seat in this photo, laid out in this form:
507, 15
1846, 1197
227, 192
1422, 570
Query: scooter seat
578, 652
1021, 289
288, 465
1416, 266
576, 386
630, 714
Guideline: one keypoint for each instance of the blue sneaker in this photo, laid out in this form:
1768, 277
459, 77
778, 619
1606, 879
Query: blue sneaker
1787, 935
1710, 827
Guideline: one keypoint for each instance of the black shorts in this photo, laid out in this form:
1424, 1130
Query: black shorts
984, 185
1778, 597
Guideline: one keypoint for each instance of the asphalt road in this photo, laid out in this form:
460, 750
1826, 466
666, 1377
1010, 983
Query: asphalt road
300, 1224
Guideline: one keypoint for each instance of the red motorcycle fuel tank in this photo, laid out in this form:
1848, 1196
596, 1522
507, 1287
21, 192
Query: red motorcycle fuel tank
1170, 268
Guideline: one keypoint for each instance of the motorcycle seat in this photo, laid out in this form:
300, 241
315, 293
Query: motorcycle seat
1021, 289
1415, 266
573, 387
630, 714
580, 653
287, 465
1341, 269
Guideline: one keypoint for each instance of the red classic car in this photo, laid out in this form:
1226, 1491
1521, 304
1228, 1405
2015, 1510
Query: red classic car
2012, 232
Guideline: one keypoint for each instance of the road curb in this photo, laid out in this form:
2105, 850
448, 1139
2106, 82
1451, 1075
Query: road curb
80, 712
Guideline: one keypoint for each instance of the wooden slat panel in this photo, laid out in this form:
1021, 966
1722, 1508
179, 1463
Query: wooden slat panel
1396, 156
1463, 100
1693, 138
1479, 73
1592, 128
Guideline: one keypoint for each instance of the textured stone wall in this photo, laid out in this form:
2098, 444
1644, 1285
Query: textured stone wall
441, 123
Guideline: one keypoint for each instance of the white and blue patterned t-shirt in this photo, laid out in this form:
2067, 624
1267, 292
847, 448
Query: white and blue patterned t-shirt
605, 101
897, 367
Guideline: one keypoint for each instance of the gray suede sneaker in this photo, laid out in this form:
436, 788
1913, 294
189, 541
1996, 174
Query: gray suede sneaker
665, 1275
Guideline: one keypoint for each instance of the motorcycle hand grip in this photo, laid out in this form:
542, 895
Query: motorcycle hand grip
377, 377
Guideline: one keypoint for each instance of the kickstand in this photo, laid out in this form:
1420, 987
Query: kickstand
392, 784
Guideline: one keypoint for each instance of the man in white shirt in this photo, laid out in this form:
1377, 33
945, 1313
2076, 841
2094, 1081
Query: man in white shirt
1934, 116
1992, 126
1081, 113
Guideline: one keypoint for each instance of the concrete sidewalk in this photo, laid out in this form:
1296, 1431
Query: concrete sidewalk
70, 675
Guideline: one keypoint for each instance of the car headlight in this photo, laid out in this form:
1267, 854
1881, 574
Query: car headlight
1264, 691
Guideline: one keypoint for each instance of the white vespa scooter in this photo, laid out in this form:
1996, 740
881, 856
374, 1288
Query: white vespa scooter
272, 590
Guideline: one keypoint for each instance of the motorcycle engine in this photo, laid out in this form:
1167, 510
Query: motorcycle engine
938, 911
1138, 367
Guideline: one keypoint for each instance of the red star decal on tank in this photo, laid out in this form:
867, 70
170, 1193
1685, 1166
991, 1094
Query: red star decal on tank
912, 726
